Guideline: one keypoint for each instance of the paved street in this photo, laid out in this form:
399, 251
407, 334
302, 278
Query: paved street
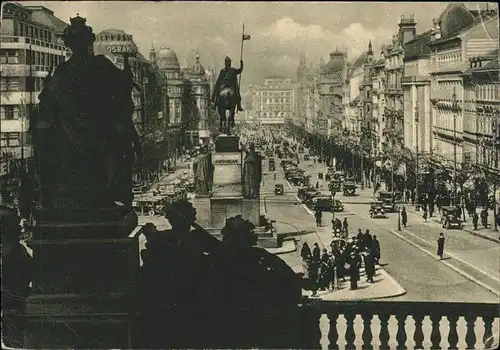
421, 275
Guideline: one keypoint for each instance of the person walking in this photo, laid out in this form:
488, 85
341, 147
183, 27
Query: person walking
369, 266
345, 226
376, 250
475, 220
484, 217
316, 253
440, 243
305, 252
404, 217
424, 215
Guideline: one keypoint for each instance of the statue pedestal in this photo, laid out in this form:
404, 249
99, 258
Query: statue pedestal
87, 266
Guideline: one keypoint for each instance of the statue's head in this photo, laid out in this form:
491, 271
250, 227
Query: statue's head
181, 214
79, 37
227, 61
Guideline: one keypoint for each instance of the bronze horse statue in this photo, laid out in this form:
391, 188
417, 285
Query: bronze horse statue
226, 102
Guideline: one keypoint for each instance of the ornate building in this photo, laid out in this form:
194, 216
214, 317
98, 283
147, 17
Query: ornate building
307, 103
199, 81
330, 86
31, 43
274, 100
458, 35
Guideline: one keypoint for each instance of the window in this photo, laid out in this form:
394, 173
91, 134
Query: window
3, 84
9, 112
13, 84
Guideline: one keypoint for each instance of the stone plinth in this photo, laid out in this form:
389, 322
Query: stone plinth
203, 209
223, 208
87, 268
227, 143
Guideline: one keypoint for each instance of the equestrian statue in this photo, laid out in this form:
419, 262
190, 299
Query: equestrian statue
226, 96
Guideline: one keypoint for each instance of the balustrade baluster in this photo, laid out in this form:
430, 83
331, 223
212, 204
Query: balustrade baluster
418, 336
350, 336
470, 336
401, 334
488, 323
435, 333
453, 335
333, 334
310, 334
367, 335
384, 331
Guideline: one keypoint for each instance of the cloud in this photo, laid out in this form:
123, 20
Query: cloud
287, 29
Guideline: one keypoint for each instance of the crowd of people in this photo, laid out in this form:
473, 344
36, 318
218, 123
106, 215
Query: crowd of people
326, 269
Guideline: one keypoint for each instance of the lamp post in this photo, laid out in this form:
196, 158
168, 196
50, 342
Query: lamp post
416, 156
455, 111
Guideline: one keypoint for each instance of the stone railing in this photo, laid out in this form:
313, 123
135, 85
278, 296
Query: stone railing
387, 325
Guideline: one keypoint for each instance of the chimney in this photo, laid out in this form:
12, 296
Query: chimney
407, 30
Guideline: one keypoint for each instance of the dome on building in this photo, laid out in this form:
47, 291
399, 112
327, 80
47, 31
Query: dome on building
455, 18
167, 59
198, 68
335, 64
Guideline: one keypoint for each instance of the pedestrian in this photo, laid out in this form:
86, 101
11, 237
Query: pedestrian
359, 236
484, 217
440, 243
475, 220
317, 184
352, 269
345, 226
404, 217
369, 266
314, 160
316, 253
331, 273
424, 215
367, 240
376, 249
305, 252
320, 217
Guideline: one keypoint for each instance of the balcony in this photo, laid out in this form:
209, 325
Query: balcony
22, 42
431, 325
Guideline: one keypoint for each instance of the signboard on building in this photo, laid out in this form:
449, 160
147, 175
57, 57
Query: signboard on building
227, 174
203, 133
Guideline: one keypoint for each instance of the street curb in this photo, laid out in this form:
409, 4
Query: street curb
401, 291
292, 247
456, 269
469, 231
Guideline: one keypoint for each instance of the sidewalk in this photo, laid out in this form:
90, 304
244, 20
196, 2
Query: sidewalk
486, 233
168, 178
385, 286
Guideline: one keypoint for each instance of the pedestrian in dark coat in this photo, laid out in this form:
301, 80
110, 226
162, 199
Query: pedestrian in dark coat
367, 240
316, 253
404, 217
345, 226
484, 217
359, 237
305, 252
440, 243
369, 266
425, 214
353, 272
376, 249
475, 220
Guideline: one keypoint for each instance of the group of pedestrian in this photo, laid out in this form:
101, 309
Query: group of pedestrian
325, 269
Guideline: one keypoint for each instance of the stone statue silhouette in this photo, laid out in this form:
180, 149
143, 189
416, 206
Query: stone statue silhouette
202, 168
83, 135
252, 173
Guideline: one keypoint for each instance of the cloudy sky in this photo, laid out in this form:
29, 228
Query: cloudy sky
279, 30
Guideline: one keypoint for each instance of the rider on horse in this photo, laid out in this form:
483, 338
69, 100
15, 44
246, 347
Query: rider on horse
227, 79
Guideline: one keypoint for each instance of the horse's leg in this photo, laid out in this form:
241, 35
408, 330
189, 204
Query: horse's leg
222, 115
231, 118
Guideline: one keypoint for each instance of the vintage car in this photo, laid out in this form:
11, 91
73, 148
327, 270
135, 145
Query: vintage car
301, 149
298, 180
278, 189
349, 188
148, 204
451, 217
377, 209
334, 186
304, 193
272, 164
312, 152
389, 199
307, 157
139, 188
325, 203
320, 176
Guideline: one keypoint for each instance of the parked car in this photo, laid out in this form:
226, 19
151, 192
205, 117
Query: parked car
389, 200
307, 157
349, 188
305, 193
451, 217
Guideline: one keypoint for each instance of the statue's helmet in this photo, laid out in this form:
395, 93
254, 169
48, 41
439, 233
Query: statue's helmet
78, 35
227, 60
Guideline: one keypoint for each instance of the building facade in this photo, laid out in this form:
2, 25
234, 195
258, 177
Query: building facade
377, 78
457, 35
274, 101
31, 43
416, 84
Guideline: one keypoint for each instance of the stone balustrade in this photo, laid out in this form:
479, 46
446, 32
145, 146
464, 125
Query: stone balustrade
368, 325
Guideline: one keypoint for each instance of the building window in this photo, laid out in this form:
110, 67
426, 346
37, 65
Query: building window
9, 112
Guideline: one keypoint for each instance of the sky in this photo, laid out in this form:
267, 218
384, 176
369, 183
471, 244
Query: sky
279, 30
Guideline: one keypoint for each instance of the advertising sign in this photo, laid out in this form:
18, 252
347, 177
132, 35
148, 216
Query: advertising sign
227, 173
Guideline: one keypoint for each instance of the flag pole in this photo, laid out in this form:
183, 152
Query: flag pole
241, 52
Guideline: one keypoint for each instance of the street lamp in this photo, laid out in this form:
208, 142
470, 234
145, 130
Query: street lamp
455, 111
416, 156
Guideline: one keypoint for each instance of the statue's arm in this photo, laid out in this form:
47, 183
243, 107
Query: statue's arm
239, 70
